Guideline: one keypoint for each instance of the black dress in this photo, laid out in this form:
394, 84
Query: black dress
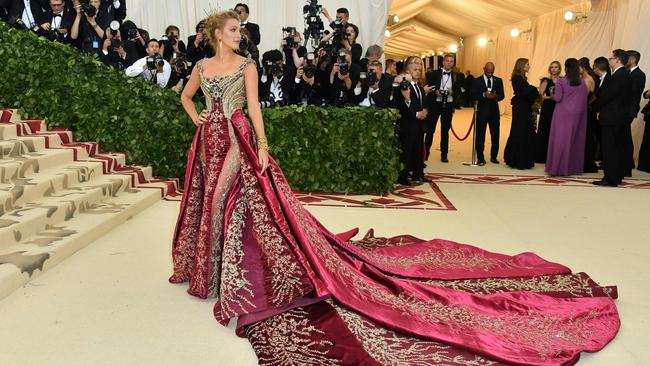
545, 120
593, 133
520, 148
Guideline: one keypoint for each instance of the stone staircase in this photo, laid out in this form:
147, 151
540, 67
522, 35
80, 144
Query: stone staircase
57, 196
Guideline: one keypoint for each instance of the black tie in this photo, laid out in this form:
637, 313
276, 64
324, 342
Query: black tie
446, 73
417, 91
489, 83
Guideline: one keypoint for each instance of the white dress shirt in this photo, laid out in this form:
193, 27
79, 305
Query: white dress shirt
27, 17
446, 83
136, 70
602, 78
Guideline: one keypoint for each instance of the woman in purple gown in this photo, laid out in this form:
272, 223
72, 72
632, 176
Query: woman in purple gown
304, 296
566, 146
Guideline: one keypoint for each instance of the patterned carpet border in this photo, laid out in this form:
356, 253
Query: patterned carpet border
530, 180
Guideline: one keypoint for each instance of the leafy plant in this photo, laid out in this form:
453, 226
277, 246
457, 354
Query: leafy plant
319, 149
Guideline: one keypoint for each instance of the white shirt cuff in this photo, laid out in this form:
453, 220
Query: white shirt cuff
116, 4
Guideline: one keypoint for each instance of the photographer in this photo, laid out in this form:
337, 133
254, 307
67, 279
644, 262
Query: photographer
443, 89
153, 67
308, 80
59, 24
410, 100
344, 76
30, 17
139, 37
277, 84
116, 9
180, 74
254, 29
171, 46
292, 47
198, 45
342, 18
247, 48
374, 88
89, 25
116, 52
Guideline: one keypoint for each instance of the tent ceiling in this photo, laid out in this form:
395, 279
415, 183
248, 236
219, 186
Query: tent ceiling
427, 25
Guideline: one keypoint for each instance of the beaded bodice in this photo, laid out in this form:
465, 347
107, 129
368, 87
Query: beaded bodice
229, 90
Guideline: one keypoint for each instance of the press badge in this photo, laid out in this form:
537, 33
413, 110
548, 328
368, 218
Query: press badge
95, 44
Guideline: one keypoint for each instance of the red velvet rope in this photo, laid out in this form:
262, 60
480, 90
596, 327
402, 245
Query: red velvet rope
466, 135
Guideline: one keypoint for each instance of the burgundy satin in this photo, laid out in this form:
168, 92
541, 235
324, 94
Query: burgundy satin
521, 328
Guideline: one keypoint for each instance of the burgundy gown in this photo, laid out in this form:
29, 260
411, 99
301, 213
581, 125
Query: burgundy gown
305, 296
566, 145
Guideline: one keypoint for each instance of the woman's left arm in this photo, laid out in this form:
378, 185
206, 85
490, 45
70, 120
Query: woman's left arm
255, 114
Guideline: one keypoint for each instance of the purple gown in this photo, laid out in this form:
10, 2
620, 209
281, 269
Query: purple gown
566, 146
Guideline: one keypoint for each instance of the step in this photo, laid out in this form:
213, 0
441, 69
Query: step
22, 262
28, 164
59, 206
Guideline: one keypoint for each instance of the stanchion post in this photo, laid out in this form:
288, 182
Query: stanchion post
474, 161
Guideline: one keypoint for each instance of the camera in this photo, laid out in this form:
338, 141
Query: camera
288, 40
372, 78
310, 68
314, 26
181, 66
132, 34
116, 43
444, 93
404, 84
243, 44
87, 9
344, 67
267, 103
273, 68
155, 61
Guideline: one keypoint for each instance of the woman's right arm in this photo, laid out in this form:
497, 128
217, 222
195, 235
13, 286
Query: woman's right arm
186, 98
74, 32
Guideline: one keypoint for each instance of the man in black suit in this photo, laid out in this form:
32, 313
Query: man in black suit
376, 88
613, 100
116, 9
637, 80
253, 28
488, 91
442, 89
5, 5
277, 82
410, 100
58, 22
32, 17
198, 46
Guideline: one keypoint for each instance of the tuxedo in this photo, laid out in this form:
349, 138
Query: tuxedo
410, 130
438, 108
113, 59
116, 9
282, 89
61, 20
487, 113
38, 14
612, 100
254, 30
379, 97
338, 88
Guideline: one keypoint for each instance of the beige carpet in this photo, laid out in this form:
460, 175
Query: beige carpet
111, 304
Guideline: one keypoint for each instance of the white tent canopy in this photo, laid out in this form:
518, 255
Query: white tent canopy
430, 26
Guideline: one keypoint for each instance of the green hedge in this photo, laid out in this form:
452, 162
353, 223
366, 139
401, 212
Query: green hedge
319, 149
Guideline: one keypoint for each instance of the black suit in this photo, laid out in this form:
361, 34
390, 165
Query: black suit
38, 8
637, 85
410, 130
381, 97
118, 14
254, 30
287, 84
444, 111
487, 114
67, 19
196, 54
613, 99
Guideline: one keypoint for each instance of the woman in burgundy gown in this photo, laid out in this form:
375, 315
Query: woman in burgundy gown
305, 296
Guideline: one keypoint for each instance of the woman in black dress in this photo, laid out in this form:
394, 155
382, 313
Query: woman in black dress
546, 88
520, 148
593, 129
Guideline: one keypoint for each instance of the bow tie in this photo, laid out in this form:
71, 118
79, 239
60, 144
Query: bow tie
446, 72
58, 15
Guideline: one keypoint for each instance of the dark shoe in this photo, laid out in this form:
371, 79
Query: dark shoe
603, 183
628, 174
404, 182
494, 161
481, 162
591, 170
444, 159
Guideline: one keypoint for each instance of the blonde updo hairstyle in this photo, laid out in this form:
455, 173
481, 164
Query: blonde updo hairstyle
216, 21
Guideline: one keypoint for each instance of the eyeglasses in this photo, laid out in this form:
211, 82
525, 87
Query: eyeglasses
374, 63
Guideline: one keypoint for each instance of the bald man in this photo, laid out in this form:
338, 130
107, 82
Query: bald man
487, 91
